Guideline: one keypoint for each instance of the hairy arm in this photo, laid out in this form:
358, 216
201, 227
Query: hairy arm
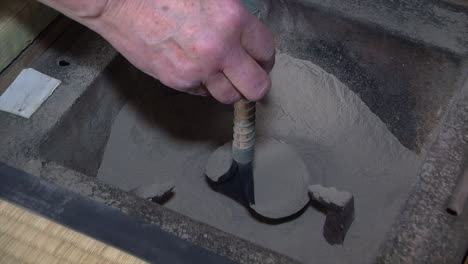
197, 46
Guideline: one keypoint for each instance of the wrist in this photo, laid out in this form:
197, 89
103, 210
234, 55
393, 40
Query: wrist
112, 19
134, 21
89, 9
80, 10
102, 14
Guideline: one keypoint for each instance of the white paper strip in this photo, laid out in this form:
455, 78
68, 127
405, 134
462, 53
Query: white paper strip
27, 93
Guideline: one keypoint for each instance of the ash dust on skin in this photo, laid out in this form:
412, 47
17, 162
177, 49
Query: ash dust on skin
169, 137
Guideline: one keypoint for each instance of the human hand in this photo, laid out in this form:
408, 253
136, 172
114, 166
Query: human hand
197, 46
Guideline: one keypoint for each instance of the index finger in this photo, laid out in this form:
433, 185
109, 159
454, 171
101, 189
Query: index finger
258, 42
247, 76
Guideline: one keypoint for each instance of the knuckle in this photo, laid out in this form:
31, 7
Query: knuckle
181, 77
211, 48
233, 16
189, 70
229, 98
170, 80
198, 90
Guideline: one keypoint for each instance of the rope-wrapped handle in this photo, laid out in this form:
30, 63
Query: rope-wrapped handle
243, 144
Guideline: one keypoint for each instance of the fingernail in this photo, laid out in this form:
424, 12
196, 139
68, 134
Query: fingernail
265, 87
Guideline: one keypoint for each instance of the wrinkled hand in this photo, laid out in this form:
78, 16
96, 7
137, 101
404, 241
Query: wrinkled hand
197, 46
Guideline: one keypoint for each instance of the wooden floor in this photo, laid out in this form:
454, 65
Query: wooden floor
29, 238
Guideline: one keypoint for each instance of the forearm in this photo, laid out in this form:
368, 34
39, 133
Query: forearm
105, 17
79, 9
115, 18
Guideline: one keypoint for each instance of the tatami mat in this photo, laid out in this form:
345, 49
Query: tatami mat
29, 238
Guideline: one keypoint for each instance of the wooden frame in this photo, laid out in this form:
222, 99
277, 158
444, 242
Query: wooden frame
20, 22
